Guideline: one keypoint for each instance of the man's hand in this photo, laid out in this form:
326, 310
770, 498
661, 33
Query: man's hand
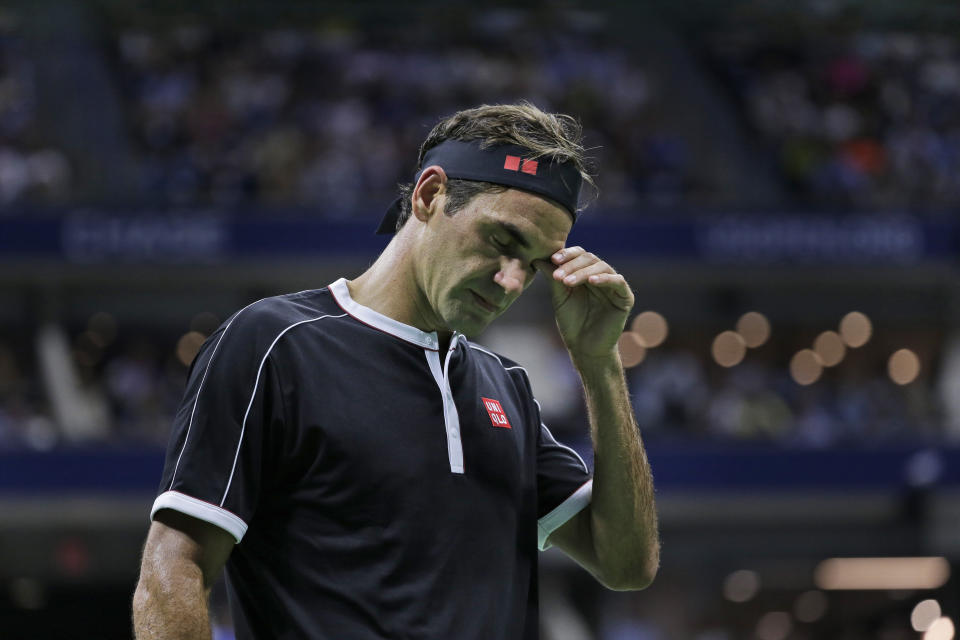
615, 537
590, 300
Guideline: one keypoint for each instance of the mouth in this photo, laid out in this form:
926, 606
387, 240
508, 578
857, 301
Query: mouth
482, 302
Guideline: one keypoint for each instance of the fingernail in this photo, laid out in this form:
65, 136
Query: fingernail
569, 279
560, 273
558, 255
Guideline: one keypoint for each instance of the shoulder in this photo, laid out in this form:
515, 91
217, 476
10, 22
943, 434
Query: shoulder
495, 361
262, 322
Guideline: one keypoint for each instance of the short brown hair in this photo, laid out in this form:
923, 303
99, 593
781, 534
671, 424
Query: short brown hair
548, 135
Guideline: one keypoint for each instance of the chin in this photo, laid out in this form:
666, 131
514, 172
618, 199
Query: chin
466, 321
469, 328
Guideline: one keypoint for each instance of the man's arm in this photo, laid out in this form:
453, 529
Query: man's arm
615, 537
181, 560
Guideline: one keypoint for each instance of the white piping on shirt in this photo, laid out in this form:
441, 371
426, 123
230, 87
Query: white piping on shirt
539, 408
557, 442
256, 382
576, 501
200, 388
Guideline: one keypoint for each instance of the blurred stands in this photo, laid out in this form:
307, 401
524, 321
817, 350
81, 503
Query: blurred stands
331, 114
161, 169
853, 115
327, 112
320, 116
32, 167
680, 392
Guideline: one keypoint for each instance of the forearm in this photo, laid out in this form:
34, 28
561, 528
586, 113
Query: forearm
623, 515
171, 605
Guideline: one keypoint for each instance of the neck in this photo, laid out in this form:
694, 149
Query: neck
390, 286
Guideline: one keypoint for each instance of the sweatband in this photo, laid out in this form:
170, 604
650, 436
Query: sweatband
505, 164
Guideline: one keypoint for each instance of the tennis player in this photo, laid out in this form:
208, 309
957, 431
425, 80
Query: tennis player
359, 469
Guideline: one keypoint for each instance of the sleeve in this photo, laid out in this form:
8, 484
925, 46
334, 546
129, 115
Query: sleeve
564, 484
216, 459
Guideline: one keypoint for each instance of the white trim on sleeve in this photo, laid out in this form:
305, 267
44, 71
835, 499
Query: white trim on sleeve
253, 395
563, 512
201, 510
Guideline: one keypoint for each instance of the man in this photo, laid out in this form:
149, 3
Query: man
361, 469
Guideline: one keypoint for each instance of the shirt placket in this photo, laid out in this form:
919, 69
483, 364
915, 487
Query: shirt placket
451, 419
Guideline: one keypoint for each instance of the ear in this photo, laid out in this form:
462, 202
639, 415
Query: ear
425, 200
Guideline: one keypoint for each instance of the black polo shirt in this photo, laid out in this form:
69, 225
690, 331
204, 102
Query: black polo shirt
377, 488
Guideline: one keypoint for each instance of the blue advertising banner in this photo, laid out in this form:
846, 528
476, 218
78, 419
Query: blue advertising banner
760, 468
205, 236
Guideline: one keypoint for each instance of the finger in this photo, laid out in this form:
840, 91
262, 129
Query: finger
580, 274
614, 282
566, 254
614, 287
576, 265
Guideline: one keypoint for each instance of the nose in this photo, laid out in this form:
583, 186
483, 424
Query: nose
512, 276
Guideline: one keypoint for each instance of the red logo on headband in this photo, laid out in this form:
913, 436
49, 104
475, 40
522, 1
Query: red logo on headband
513, 163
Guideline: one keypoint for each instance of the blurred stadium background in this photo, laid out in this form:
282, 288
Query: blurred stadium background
780, 182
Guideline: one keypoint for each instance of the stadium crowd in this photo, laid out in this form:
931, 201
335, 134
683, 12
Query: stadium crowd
679, 394
325, 115
853, 117
31, 166
328, 113
330, 117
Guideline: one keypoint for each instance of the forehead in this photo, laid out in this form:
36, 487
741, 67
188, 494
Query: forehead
544, 223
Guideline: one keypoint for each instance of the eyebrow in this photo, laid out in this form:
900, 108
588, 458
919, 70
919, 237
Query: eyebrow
515, 233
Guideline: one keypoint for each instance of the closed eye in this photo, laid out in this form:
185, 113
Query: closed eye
505, 247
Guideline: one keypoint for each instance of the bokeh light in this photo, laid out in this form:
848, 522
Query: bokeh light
632, 351
830, 348
903, 366
941, 629
741, 586
855, 329
775, 625
805, 367
924, 614
728, 349
810, 606
651, 327
755, 329
883, 573
188, 345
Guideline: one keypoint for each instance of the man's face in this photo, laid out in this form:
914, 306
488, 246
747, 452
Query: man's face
474, 264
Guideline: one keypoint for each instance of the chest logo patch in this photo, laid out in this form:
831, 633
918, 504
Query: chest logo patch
497, 416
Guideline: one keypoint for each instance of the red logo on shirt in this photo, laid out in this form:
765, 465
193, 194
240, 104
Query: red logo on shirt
497, 416
514, 163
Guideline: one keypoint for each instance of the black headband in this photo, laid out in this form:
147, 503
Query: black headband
504, 164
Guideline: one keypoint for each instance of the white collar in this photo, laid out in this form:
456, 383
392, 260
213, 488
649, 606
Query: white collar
384, 323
